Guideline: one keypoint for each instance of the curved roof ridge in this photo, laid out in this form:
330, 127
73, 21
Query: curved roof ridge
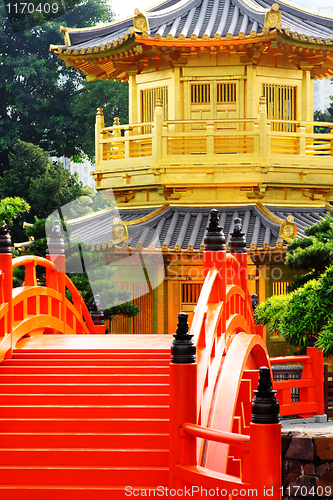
172, 9
165, 16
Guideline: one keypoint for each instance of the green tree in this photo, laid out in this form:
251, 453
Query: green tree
111, 96
311, 254
324, 116
306, 312
38, 93
10, 208
45, 186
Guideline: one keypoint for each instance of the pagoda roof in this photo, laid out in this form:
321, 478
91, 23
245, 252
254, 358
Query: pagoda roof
185, 23
179, 228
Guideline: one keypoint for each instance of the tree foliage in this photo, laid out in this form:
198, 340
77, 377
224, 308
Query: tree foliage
307, 310
10, 208
39, 95
313, 253
324, 116
44, 186
111, 96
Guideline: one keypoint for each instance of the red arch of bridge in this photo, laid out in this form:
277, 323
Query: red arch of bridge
212, 439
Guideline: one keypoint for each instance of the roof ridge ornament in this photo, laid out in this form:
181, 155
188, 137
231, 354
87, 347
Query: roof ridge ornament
273, 17
140, 22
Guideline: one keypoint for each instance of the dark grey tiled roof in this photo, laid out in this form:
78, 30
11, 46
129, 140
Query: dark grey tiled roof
97, 228
185, 226
210, 17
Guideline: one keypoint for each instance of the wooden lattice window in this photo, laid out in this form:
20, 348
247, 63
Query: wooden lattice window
280, 287
148, 103
281, 104
226, 92
190, 292
200, 93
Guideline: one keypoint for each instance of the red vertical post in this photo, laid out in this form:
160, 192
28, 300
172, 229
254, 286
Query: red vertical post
318, 375
183, 400
265, 440
56, 254
7, 269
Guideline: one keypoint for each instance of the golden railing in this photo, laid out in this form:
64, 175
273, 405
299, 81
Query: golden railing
298, 138
126, 141
257, 138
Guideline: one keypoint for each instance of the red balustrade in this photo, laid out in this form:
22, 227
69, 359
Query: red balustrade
32, 309
311, 385
214, 444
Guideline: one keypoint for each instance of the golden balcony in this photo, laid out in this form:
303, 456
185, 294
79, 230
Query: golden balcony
185, 154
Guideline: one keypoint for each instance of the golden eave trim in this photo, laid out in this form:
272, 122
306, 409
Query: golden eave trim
268, 213
169, 41
147, 217
267, 34
288, 228
91, 28
111, 48
125, 223
90, 216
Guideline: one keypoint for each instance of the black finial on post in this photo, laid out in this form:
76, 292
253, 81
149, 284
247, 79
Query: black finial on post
265, 406
311, 340
214, 239
182, 349
254, 301
5, 240
56, 243
96, 311
237, 242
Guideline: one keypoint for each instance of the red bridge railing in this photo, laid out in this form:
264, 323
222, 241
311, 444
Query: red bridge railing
216, 442
32, 308
311, 385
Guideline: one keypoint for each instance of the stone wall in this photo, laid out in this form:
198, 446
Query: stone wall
307, 465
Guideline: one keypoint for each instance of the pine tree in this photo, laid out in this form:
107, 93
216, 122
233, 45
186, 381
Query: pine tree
305, 313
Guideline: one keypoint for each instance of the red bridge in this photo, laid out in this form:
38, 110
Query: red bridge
110, 417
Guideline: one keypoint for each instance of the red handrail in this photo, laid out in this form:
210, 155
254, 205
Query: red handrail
311, 385
214, 435
34, 308
33, 259
79, 303
290, 359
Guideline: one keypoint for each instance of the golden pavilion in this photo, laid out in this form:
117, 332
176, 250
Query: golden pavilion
220, 116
